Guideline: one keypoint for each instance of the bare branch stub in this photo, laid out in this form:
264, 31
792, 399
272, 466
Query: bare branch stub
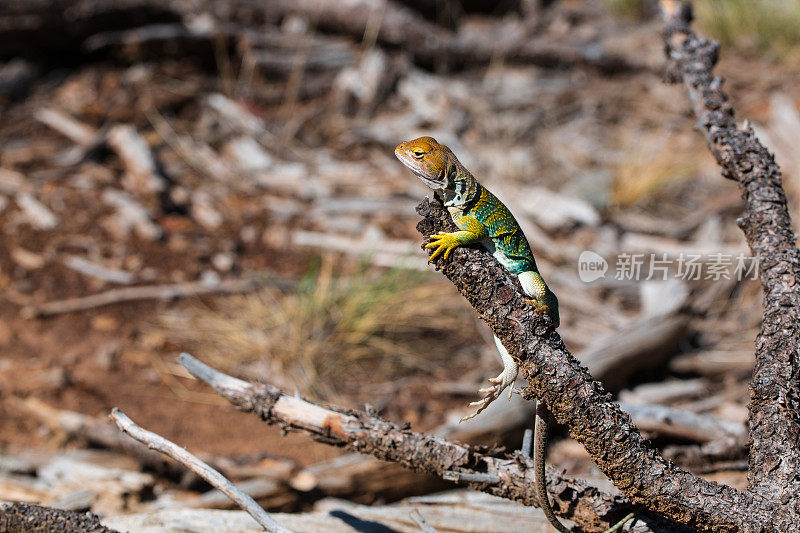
775, 386
580, 403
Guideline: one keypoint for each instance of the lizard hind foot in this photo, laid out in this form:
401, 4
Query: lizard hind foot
538, 307
500, 383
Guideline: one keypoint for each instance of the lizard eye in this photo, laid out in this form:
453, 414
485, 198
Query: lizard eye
418, 153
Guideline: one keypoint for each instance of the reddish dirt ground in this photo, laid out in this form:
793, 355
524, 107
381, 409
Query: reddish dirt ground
136, 382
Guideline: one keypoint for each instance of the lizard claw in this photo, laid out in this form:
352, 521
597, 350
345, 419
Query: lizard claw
538, 307
502, 382
481, 404
443, 242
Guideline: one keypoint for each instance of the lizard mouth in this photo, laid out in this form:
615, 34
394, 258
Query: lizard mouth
414, 166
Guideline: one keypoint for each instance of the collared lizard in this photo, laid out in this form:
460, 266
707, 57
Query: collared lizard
482, 218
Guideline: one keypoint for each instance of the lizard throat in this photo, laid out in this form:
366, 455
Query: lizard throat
433, 184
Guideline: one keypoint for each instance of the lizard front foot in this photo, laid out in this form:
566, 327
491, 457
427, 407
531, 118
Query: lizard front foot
442, 242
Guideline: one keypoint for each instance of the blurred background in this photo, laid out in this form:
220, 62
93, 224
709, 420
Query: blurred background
221, 174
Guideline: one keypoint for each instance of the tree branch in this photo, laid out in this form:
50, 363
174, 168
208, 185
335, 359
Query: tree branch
510, 477
775, 386
585, 408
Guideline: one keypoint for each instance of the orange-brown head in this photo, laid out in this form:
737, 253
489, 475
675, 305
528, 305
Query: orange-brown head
427, 159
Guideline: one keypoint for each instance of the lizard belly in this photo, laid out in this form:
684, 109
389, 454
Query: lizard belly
508, 263
512, 265
498, 254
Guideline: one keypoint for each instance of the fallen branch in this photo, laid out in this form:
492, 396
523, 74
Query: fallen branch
76, 131
424, 526
216, 479
775, 385
672, 422
140, 164
723, 450
87, 268
131, 294
510, 477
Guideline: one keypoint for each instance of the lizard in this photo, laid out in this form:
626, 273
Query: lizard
482, 218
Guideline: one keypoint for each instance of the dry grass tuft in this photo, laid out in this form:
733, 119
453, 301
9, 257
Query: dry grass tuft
763, 26
331, 334
647, 169
628, 8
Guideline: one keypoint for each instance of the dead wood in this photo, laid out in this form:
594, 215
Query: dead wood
682, 424
580, 403
640, 346
41, 28
722, 450
74, 130
93, 270
142, 28
714, 363
130, 294
26, 518
394, 25
775, 385
170, 449
643, 345
510, 477
142, 175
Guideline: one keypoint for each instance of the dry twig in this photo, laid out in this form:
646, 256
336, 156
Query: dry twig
216, 479
131, 294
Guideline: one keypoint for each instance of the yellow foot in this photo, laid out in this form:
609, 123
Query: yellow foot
443, 242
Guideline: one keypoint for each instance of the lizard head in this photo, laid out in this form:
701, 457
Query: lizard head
427, 159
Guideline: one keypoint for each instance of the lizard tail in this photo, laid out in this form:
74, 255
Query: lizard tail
540, 484
539, 480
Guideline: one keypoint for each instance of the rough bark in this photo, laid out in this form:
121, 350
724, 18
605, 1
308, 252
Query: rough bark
510, 476
775, 385
26, 518
581, 404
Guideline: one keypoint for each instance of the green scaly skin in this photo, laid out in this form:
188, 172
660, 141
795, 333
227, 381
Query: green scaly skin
511, 248
482, 218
